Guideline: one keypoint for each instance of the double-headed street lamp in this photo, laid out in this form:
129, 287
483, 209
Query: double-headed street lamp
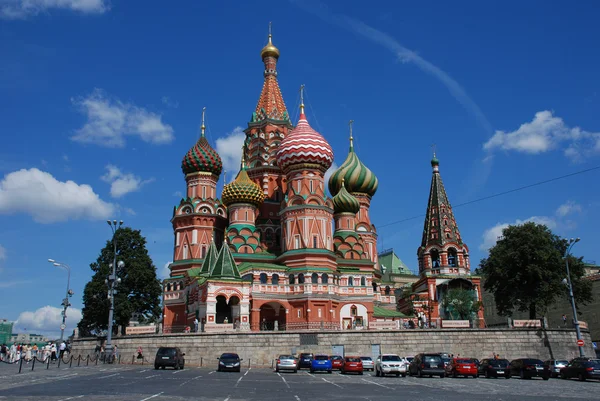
572, 242
65, 302
112, 281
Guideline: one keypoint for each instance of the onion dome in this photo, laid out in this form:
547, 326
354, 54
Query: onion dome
304, 145
343, 202
202, 157
242, 190
269, 50
357, 177
435, 162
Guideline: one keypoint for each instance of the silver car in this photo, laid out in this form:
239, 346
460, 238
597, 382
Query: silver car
286, 362
367, 362
555, 365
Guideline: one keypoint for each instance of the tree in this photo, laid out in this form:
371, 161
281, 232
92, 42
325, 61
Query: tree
138, 293
525, 269
460, 304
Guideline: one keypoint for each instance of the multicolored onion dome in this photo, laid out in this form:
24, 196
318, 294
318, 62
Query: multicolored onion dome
343, 202
242, 190
358, 178
202, 158
304, 145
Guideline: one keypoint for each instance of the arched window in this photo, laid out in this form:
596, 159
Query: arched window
374, 286
452, 257
351, 281
387, 290
292, 279
314, 278
363, 281
353, 310
275, 279
435, 258
269, 235
263, 278
324, 278
168, 286
300, 278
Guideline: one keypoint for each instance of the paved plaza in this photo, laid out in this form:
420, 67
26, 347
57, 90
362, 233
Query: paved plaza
143, 383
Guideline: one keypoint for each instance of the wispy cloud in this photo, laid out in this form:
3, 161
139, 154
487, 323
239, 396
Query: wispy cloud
544, 133
122, 183
491, 235
229, 148
167, 101
13, 283
20, 9
2, 253
110, 121
567, 208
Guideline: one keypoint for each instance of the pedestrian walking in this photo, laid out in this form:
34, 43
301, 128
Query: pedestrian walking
3, 351
62, 348
564, 319
140, 353
12, 355
196, 325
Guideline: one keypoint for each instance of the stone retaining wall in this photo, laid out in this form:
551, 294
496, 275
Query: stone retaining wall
259, 349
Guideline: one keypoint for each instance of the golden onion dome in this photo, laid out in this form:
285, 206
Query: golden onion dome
242, 190
269, 50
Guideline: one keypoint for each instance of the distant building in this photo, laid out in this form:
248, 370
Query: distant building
394, 272
5, 331
28, 338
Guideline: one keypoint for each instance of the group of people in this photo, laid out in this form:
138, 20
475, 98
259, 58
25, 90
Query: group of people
27, 352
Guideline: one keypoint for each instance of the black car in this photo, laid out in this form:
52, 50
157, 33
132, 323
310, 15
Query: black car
169, 356
427, 364
494, 368
305, 360
526, 368
582, 370
229, 362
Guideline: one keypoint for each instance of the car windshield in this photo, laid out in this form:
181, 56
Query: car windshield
465, 361
321, 358
561, 362
286, 357
351, 359
499, 362
366, 358
390, 358
229, 356
432, 358
306, 356
167, 352
336, 358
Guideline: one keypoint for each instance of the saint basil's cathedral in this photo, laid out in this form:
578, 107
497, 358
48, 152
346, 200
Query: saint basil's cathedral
275, 252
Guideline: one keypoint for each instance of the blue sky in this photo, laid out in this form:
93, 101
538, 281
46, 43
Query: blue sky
99, 101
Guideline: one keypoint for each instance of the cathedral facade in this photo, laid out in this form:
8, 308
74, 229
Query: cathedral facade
273, 251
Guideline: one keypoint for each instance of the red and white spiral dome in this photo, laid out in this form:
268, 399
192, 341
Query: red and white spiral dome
304, 145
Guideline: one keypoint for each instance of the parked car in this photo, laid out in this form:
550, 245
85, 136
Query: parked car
462, 367
305, 360
229, 361
169, 356
446, 361
321, 362
286, 362
337, 362
427, 364
367, 363
526, 368
352, 364
409, 359
494, 368
554, 366
390, 364
582, 370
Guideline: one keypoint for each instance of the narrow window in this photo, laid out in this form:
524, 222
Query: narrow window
194, 236
203, 252
203, 192
314, 242
319, 312
177, 237
185, 251
297, 242
246, 215
363, 281
311, 186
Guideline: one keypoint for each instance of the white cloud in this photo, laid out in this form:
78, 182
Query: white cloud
567, 208
120, 183
17, 9
230, 150
167, 101
48, 200
330, 171
544, 133
178, 194
110, 120
491, 235
47, 319
165, 272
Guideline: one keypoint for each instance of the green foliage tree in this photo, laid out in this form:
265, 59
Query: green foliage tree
460, 304
138, 293
525, 269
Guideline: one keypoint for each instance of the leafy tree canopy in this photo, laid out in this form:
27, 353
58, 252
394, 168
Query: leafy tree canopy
525, 269
138, 293
460, 304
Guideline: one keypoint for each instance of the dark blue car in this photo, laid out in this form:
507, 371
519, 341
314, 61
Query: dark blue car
321, 362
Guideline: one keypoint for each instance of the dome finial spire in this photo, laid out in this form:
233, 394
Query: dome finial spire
203, 127
351, 137
302, 116
435, 163
243, 162
270, 50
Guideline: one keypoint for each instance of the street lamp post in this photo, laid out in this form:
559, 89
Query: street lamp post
69, 293
572, 242
112, 281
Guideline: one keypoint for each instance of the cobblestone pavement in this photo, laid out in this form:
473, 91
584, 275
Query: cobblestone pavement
143, 383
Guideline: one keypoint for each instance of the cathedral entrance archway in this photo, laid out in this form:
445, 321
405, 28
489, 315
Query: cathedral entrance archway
272, 316
234, 306
223, 310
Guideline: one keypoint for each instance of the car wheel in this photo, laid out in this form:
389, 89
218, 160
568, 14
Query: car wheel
442, 375
507, 376
420, 373
563, 376
295, 370
581, 377
474, 376
377, 372
360, 373
522, 375
155, 367
487, 374
329, 371
546, 377
404, 375
163, 367
397, 374
176, 367
312, 371
276, 369
454, 374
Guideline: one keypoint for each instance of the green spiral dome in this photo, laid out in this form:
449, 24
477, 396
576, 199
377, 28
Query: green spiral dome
343, 202
357, 177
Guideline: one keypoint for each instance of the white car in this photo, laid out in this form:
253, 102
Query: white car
390, 364
367, 363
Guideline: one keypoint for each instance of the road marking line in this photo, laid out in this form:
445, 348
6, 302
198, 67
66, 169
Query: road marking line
239, 380
147, 377
226, 399
106, 377
177, 371
297, 398
152, 396
335, 384
377, 384
186, 382
71, 398
210, 373
145, 370
310, 374
283, 378
247, 371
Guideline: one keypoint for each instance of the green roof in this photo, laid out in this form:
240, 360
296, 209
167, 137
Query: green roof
378, 311
391, 264
193, 272
225, 266
244, 266
209, 259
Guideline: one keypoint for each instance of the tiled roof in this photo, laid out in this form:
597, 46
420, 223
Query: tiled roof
270, 103
378, 311
209, 259
225, 266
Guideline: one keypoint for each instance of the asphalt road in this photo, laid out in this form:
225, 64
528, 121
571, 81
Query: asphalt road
143, 383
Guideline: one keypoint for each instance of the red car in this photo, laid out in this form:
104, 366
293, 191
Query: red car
462, 366
352, 364
337, 362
